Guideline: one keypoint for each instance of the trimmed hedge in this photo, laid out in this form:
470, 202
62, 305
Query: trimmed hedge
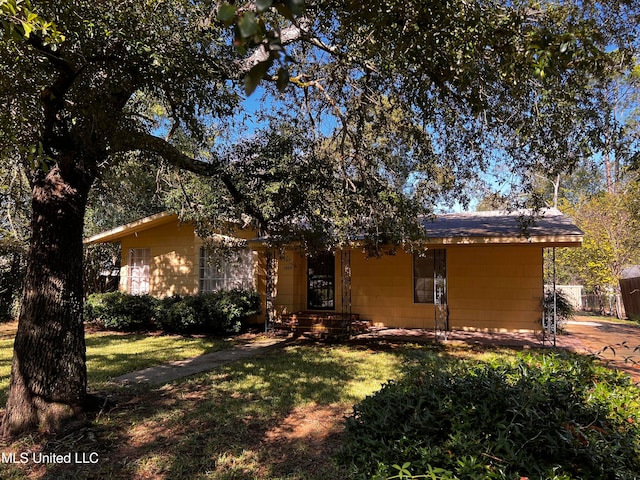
120, 311
216, 313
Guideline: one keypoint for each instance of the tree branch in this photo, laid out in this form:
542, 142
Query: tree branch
287, 35
56, 60
126, 141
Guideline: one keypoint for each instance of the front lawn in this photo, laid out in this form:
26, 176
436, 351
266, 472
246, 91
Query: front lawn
274, 416
281, 416
112, 354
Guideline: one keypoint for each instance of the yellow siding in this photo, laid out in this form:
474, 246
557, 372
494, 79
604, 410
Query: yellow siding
489, 288
291, 282
382, 291
174, 259
493, 288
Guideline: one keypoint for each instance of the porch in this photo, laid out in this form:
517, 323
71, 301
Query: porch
322, 324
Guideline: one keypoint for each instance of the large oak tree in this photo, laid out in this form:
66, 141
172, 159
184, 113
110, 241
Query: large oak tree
405, 102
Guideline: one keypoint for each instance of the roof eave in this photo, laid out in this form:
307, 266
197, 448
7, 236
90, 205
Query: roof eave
116, 234
545, 241
541, 241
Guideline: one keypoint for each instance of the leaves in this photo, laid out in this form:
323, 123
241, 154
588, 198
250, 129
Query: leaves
282, 79
255, 75
611, 225
247, 25
263, 5
19, 22
496, 419
226, 13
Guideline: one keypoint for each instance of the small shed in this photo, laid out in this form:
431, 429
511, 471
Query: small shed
630, 291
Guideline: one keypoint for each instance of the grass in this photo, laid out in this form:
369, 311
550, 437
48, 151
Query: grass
112, 354
596, 317
276, 416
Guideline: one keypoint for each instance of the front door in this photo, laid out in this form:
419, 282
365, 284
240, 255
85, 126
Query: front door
321, 281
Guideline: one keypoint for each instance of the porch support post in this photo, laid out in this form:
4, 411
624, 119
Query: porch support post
549, 315
345, 267
271, 272
441, 309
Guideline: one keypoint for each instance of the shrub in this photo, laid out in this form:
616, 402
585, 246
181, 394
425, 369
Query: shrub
557, 416
563, 307
121, 311
216, 313
12, 270
235, 307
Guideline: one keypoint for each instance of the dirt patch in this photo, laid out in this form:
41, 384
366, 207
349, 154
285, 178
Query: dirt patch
312, 424
306, 439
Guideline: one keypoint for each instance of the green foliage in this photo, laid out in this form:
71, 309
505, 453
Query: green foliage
560, 306
258, 27
557, 416
218, 313
120, 311
14, 234
611, 224
12, 269
19, 21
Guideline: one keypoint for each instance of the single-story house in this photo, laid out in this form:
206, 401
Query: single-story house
476, 270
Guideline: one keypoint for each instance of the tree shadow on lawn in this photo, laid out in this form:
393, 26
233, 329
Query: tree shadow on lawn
103, 366
275, 415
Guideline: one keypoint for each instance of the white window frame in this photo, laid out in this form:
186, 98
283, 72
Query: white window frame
138, 274
424, 286
227, 272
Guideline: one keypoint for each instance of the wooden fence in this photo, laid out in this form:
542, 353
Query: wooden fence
605, 304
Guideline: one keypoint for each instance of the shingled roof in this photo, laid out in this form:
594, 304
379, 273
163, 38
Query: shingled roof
548, 226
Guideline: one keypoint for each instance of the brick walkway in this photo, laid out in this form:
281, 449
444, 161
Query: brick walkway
622, 342
505, 339
586, 335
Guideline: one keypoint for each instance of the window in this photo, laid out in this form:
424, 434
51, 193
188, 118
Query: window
430, 277
225, 272
138, 277
321, 280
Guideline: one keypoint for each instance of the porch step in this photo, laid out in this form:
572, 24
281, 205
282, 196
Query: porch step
329, 324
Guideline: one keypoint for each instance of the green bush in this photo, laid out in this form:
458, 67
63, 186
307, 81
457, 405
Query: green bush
564, 309
121, 311
12, 270
557, 416
217, 313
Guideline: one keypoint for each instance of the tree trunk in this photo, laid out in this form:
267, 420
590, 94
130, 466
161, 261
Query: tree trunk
48, 373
